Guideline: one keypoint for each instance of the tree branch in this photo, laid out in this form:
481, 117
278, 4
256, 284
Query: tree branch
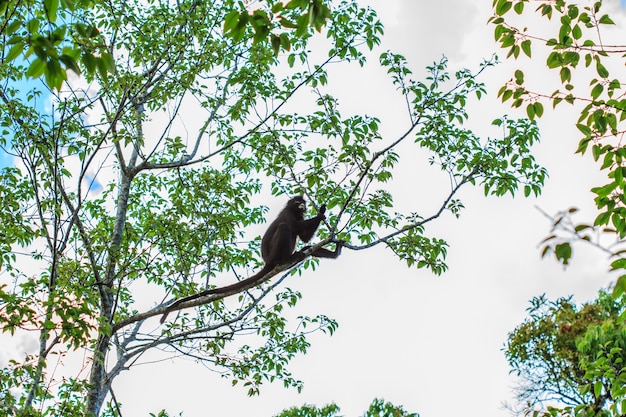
161, 309
406, 228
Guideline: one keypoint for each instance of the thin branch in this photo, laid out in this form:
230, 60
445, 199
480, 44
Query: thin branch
406, 228
610, 49
181, 163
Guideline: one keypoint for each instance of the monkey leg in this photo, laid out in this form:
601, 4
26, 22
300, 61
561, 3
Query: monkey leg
326, 253
297, 256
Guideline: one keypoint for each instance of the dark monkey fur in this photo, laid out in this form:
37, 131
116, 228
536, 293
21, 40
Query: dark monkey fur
277, 246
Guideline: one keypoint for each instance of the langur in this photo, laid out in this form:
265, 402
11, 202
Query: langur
278, 246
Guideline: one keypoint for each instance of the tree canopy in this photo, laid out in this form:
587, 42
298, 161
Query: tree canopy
378, 408
143, 180
570, 359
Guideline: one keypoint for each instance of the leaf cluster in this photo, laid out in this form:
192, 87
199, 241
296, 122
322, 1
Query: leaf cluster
53, 36
577, 48
296, 16
378, 408
571, 355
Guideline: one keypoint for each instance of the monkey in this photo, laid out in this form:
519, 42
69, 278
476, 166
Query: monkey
278, 246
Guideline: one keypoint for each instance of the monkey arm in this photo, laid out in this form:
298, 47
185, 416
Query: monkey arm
307, 228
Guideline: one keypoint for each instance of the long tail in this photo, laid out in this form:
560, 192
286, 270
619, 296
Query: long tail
232, 287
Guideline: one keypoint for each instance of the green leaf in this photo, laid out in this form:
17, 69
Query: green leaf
14, 52
108, 62
285, 42
51, 7
602, 219
70, 63
597, 91
275, 42
620, 287
302, 23
230, 21
566, 75
286, 23
102, 66
554, 60
503, 6
36, 68
90, 62
597, 389
530, 111
600, 121
601, 69
563, 252
526, 46
584, 129
582, 145
54, 74
606, 20
277, 7
33, 26
499, 31
564, 34
546, 10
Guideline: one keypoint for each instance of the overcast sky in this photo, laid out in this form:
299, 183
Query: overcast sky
432, 344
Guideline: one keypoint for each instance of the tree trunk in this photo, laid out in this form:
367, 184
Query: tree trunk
99, 383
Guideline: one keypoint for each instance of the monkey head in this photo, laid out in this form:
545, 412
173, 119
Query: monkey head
297, 204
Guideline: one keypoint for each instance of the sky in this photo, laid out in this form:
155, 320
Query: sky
432, 344
39, 104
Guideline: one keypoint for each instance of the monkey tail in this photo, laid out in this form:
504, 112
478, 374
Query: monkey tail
232, 287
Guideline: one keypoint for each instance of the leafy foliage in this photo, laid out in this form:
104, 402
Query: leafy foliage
572, 356
143, 184
378, 408
53, 36
295, 15
578, 48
